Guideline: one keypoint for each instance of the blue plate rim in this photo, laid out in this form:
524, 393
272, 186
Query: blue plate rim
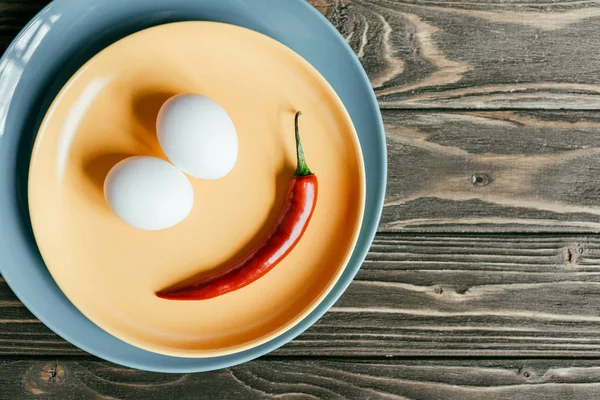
367, 235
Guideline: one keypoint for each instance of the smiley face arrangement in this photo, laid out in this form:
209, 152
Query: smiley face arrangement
109, 112
199, 138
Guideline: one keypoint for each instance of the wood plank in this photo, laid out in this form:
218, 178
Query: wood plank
466, 295
458, 54
493, 171
308, 379
476, 54
431, 295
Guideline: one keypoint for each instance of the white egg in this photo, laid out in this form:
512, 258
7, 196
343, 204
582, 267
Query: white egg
148, 193
198, 136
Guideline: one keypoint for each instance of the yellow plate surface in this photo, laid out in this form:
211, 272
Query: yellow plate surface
107, 112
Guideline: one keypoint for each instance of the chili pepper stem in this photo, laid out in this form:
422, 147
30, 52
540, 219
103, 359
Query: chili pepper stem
302, 169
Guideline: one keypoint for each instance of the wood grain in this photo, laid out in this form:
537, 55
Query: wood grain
14, 14
466, 295
491, 171
309, 379
476, 54
455, 54
431, 295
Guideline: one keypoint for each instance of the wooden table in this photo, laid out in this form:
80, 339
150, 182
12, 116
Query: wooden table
484, 279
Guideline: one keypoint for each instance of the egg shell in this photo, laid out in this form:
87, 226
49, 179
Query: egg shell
198, 136
148, 193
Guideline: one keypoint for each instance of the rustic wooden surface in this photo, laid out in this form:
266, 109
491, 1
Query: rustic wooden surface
491, 171
484, 279
309, 379
433, 295
475, 54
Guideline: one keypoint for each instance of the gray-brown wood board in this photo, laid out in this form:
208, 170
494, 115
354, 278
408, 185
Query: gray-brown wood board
483, 280
456, 54
475, 53
491, 171
432, 295
308, 379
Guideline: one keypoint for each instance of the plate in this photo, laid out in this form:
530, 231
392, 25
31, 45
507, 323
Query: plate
66, 34
107, 112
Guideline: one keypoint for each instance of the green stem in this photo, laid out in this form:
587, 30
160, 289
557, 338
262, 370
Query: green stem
302, 169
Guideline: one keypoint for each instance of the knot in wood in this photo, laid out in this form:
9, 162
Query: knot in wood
53, 373
571, 254
480, 180
526, 372
42, 377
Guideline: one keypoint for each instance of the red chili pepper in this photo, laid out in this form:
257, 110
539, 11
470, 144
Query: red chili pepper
279, 242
